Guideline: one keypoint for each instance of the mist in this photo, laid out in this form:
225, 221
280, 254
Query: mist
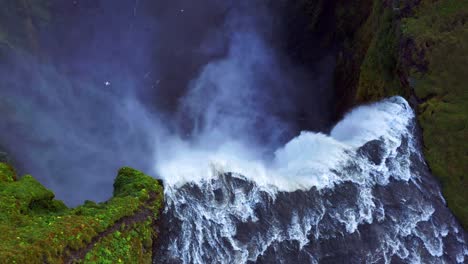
140, 83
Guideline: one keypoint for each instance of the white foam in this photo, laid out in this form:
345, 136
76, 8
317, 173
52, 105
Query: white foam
388, 119
461, 256
309, 160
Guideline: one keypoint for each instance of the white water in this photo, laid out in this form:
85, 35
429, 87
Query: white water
304, 162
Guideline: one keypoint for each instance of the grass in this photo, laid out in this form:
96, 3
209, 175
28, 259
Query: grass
440, 30
36, 228
129, 245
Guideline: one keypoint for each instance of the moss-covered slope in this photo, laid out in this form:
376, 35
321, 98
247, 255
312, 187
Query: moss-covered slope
35, 228
439, 34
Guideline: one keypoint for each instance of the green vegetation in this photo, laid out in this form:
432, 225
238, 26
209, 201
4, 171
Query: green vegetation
131, 244
439, 30
35, 228
367, 68
378, 73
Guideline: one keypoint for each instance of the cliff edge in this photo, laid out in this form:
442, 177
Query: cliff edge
36, 228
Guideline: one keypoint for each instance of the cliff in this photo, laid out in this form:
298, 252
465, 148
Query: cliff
36, 228
417, 49
434, 59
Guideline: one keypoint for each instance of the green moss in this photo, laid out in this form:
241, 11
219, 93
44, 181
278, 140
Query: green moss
440, 32
7, 174
131, 244
378, 74
36, 228
130, 181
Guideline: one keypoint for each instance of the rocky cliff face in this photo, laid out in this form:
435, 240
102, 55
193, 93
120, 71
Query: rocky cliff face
36, 228
412, 48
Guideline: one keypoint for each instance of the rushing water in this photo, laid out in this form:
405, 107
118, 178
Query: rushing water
362, 194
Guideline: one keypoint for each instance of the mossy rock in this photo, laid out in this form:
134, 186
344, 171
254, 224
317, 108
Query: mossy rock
36, 228
7, 173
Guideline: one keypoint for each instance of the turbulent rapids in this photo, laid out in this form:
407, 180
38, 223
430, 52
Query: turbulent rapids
361, 194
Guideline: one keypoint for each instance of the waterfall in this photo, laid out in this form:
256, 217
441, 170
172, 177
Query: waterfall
361, 194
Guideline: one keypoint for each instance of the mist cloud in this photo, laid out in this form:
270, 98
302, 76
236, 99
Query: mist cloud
135, 83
